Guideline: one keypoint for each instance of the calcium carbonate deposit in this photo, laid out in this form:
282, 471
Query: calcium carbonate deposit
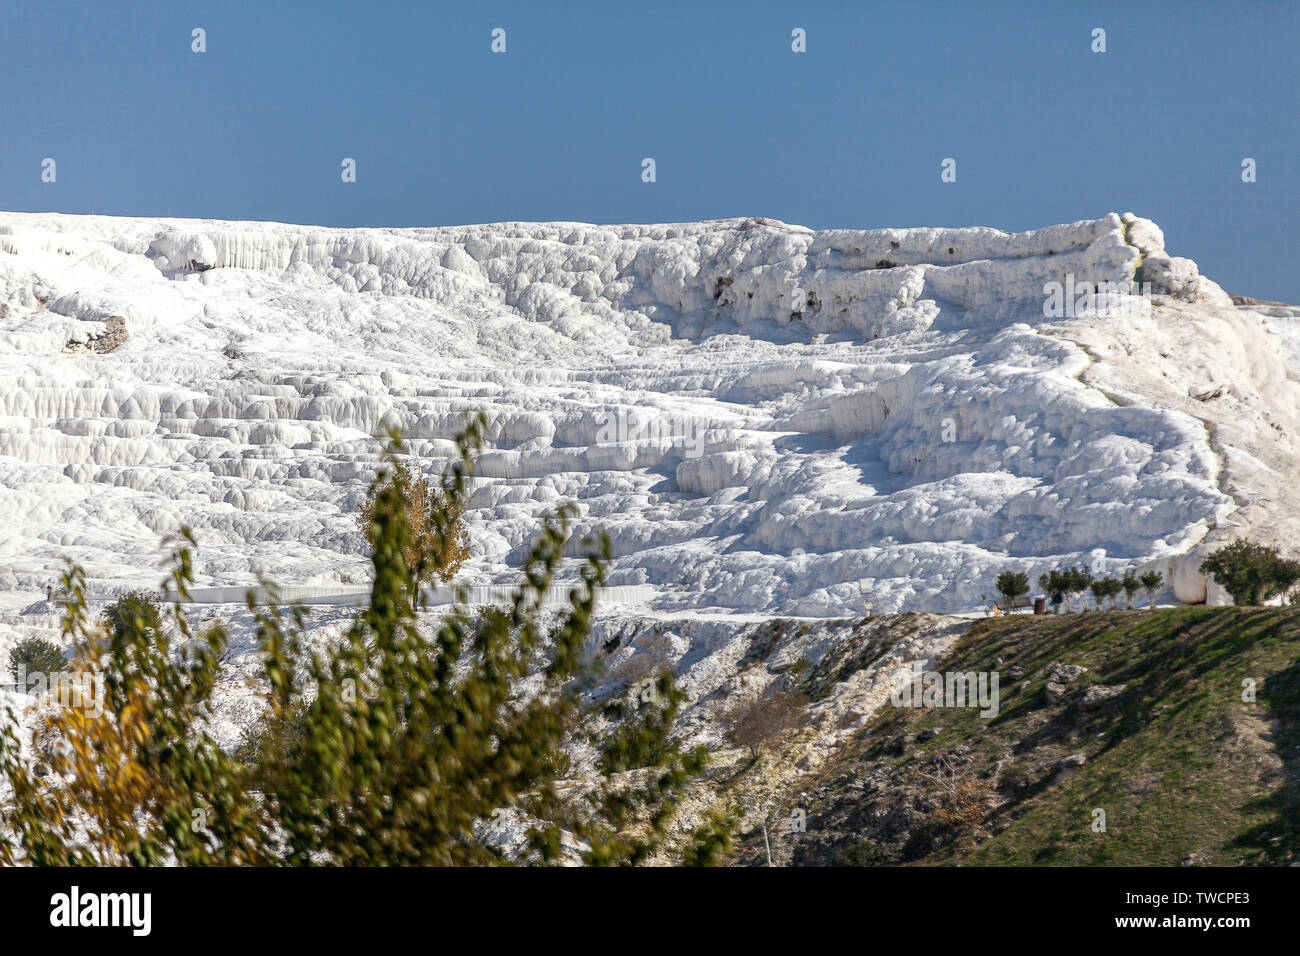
763, 418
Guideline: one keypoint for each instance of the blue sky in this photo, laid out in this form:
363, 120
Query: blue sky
849, 134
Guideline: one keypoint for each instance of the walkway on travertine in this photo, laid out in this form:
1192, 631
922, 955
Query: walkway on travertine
481, 594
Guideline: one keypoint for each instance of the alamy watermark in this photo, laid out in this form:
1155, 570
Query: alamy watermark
923, 688
628, 425
74, 909
1065, 300
75, 689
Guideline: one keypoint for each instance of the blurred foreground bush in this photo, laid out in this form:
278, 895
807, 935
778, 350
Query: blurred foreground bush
396, 745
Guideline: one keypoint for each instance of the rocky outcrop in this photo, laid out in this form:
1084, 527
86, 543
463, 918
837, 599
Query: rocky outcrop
1169, 275
112, 335
1060, 677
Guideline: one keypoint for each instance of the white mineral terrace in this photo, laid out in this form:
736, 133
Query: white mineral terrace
761, 417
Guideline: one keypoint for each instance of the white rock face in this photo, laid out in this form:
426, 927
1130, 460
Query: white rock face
761, 417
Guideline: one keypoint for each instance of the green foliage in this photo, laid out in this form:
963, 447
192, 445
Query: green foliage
862, 853
1074, 582
1164, 757
134, 613
652, 766
1012, 584
136, 780
133, 610
1112, 589
645, 715
711, 842
35, 655
1056, 582
270, 747
1104, 589
1131, 585
391, 746
1286, 575
1252, 573
800, 667
1152, 582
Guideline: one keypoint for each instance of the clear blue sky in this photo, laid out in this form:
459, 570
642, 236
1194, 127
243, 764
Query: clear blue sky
849, 134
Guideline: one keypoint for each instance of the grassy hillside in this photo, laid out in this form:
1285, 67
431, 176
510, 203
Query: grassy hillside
1184, 769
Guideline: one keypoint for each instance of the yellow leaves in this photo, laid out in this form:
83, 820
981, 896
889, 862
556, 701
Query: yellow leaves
98, 781
125, 758
437, 543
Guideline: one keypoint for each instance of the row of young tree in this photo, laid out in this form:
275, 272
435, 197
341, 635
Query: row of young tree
1068, 585
1251, 573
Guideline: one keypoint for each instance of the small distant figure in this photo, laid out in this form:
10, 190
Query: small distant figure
1057, 600
866, 605
49, 593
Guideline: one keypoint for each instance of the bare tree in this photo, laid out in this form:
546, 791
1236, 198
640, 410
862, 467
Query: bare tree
756, 720
769, 813
962, 798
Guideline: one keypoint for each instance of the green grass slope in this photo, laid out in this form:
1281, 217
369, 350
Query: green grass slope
1184, 769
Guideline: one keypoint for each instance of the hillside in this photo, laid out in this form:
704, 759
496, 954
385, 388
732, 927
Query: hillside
1154, 732
1137, 714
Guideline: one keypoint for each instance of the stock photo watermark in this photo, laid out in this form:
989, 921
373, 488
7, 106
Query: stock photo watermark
930, 689
1071, 298
71, 689
75, 909
625, 426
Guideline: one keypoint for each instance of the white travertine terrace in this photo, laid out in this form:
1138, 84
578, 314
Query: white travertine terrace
761, 417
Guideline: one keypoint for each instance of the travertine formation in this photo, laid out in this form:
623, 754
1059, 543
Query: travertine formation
762, 417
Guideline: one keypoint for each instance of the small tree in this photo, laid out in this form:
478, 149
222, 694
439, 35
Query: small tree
33, 656
765, 816
135, 609
711, 841
1131, 585
439, 543
756, 720
1252, 573
1152, 581
654, 702
1286, 574
1011, 585
1105, 589
1076, 581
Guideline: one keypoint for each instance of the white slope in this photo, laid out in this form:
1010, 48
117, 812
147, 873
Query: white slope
762, 417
